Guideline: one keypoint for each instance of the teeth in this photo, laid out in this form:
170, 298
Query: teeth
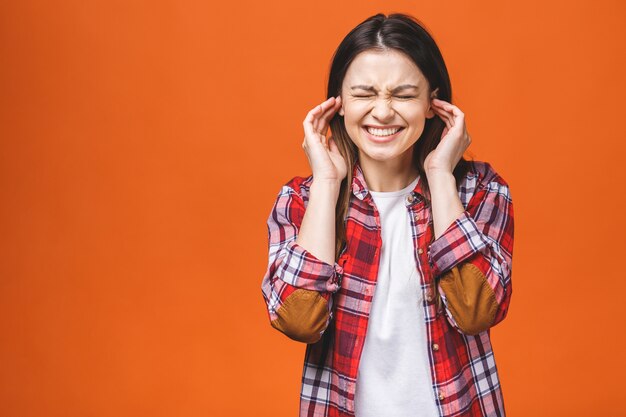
382, 132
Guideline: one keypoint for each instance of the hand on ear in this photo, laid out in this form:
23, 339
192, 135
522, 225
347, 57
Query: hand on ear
430, 112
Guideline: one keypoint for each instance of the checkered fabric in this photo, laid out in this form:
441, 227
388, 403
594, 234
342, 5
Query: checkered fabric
463, 367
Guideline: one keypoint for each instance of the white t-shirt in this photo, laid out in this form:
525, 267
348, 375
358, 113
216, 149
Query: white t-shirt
393, 378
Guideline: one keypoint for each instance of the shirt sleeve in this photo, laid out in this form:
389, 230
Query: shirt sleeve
297, 286
473, 259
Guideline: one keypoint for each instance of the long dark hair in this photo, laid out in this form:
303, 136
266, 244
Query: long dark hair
406, 34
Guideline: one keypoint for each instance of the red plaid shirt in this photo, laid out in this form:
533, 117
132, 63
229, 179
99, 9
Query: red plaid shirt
463, 368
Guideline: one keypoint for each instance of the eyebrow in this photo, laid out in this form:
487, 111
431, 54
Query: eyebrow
395, 90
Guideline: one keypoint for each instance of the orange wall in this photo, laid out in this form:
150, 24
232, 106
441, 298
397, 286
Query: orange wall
138, 163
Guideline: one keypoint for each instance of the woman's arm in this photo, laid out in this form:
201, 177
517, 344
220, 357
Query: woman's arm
446, 204
301, 274
317, 232
472, 251
473, 247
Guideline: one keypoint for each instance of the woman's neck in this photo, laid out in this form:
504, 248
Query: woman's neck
392, 175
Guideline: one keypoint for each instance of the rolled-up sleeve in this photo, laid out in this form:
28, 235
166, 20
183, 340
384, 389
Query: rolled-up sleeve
297, 286
473, 257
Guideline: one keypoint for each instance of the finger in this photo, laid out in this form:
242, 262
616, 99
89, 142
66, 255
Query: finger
307, 124
447, 119
440, 102
317, 111
311, 119
449, 116
449, 107
328, 115
311, 137
312, 114
320, 111
324, 119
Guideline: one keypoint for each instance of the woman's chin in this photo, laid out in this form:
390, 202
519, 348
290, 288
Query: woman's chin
384, 154
380, 155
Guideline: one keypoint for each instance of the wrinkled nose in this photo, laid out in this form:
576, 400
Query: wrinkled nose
382, 109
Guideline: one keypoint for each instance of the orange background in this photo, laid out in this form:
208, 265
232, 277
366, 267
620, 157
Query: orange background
139, 161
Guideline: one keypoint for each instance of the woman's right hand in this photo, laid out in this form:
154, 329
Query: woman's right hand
326, 162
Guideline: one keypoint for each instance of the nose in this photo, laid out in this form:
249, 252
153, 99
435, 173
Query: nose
382, 109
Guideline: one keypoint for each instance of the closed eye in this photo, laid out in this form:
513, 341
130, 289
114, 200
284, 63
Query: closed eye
402, 97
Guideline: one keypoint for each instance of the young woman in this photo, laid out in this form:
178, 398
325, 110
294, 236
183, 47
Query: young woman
392, 261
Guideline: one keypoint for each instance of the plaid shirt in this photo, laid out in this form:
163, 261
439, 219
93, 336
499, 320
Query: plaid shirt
327, 306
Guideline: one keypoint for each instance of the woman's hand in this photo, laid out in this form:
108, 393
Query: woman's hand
326, 162
454, 139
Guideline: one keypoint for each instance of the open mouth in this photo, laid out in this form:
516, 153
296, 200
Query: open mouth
382, 135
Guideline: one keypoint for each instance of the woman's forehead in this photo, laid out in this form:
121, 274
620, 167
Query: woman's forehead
386, 70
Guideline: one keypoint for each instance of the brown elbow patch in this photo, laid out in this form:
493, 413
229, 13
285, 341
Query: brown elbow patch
302, 316
471, 299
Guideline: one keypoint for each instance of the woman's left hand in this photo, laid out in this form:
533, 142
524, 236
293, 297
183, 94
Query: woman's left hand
454, 139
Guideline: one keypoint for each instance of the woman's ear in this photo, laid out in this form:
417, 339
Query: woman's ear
340, 111
431, 113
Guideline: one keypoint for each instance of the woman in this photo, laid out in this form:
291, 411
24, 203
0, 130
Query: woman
392, 261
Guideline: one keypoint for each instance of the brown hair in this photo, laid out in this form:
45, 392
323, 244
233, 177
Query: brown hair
406, 34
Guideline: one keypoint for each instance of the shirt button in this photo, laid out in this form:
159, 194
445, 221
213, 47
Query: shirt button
429, 296
420, 251
416, 217
441, 396
435, 347
410, 198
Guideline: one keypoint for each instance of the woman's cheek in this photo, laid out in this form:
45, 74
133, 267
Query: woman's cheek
359, 106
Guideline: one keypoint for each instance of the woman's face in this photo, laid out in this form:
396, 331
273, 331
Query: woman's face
385, 90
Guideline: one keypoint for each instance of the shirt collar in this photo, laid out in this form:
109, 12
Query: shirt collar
360, 190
